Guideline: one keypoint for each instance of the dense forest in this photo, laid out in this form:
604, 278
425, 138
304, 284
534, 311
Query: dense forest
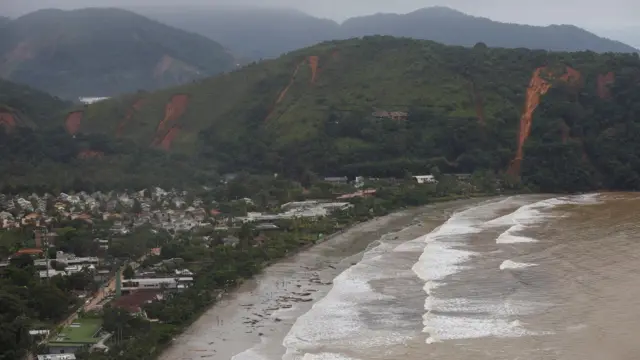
382, 106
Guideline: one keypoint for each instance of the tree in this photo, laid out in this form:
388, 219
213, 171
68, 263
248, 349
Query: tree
137, 207
128, 272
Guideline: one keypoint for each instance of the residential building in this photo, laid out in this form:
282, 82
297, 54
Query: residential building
337, 180
425, 179
177, 283
57, 357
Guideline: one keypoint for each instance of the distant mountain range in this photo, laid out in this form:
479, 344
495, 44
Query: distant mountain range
266, 33
103, 52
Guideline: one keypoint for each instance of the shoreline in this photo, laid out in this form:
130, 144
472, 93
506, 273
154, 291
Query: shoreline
257, 315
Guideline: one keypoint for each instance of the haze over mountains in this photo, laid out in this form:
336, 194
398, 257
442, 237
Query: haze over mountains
103, 52
264, 33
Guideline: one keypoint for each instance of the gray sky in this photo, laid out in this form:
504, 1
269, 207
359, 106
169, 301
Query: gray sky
588, 13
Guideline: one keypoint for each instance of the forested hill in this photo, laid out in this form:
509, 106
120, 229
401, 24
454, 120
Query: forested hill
103, 52
22, 106
268, 33
382, 106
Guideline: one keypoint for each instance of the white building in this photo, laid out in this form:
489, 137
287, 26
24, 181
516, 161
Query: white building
57, 357
156, 283
425, 179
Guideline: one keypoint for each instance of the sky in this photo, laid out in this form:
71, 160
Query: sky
594, 14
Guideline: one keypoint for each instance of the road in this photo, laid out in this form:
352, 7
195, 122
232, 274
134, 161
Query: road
93, 303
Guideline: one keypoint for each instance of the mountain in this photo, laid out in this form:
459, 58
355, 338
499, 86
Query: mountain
452, 27
21, 105
266, 33
251, 33
383, 106
103, 52
629, 34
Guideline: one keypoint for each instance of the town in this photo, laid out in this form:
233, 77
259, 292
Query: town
119, 253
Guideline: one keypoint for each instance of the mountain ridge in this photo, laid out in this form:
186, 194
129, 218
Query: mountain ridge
275, 33
70, 53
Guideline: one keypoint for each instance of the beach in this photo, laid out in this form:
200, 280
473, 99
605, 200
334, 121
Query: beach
252, 321
530, 277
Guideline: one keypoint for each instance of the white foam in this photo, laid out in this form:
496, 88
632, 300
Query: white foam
508, 264
442, 328
496, 308
250, 354
336, 320
444, 255
327, 356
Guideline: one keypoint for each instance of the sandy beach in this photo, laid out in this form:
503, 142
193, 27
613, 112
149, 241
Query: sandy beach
252, 321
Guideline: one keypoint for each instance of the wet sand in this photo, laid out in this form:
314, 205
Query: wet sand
252, 321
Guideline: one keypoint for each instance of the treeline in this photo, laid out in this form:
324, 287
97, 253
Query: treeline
51, 160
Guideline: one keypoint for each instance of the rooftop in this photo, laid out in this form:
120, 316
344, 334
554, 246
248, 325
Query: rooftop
80, 332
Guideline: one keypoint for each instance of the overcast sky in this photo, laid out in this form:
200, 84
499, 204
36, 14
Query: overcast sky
588, 13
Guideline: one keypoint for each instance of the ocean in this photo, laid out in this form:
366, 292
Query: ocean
518, 278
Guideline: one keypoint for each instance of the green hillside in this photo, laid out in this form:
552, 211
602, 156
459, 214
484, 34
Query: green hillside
39, 154
21, 105
465, 108
103, 52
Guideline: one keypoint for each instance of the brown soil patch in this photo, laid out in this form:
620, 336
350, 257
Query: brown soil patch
604, 81
313, 63
168, 139
478, 102
137, 106
90, 154
538, 86
174, 109
73, 121
7, 121
163, 65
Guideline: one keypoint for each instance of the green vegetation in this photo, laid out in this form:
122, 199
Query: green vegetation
72, 53
28, 106
464, 108
49, 161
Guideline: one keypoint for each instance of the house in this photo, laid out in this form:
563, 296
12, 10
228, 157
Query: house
177, 283
231, 241
57, 357
425, 179
133, 302
337, 180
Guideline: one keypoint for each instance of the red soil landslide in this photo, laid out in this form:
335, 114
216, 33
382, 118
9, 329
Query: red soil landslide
73, 121
90, 154
477, 99
7, 121
313, 63
168, 139
538, 86
137, 105
604, 81
284, 91
165, 132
